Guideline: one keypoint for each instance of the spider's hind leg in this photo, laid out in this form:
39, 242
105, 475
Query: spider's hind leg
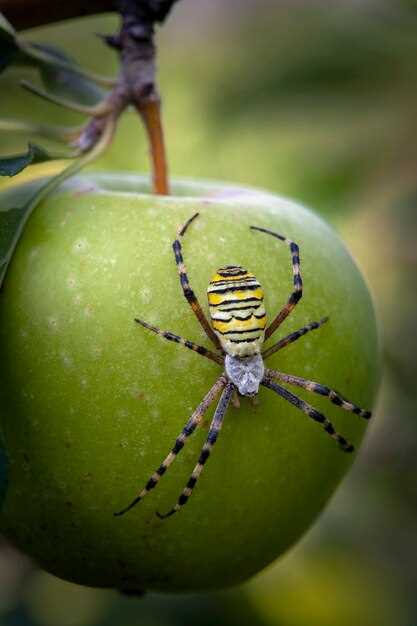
322, 390
213, 433
310, 411
194, 421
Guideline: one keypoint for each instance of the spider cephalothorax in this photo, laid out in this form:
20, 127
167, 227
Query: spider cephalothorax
245, 373
238, 330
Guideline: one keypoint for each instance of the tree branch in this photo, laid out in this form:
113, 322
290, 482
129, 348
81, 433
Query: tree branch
30, 13
136, 83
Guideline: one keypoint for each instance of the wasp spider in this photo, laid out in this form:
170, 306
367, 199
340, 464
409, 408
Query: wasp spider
238, 329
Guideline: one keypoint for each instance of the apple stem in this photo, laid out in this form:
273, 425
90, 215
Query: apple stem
151, 116
137, 80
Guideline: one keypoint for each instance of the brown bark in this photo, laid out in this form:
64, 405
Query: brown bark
24, 14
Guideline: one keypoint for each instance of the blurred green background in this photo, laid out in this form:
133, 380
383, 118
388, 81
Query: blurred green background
317, 101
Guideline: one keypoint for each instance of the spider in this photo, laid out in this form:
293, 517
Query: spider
238, 330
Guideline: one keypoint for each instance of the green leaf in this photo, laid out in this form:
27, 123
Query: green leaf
6, 29
64, 81
12, 165
13, 219
12, 224
59, 72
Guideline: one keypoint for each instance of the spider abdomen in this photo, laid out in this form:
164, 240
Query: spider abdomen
236, 303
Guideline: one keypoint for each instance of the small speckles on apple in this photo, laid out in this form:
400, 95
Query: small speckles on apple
80, 246
77, 299
96, 352
153, 213
71, 282
89, 311
34, 253
136, 393
66, 359
52, 323
182, 362
155, 413
146, 295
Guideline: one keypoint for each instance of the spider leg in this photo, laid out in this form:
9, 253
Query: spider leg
194, 421
213, 433
293, 337
184, 342
187, 290
310, 385
311, 412
298, 283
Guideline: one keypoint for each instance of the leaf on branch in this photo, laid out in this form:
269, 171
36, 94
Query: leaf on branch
14, 219
12, 165
6, 29
59, 72
64, 81
56, 133
9, 221
12, 224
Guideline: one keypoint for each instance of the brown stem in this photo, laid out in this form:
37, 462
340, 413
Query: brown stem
135, 42
151, 116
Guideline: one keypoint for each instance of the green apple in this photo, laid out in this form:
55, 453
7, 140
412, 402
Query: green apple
92, 402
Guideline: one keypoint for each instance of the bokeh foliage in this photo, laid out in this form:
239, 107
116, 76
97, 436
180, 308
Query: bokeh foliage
315, 100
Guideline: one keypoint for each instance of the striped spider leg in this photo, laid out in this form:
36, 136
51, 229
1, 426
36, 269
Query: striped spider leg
185, 283
297, 292
213, 433
195, 420
334, 396
297, 334
308, 410
166, 334
309, 385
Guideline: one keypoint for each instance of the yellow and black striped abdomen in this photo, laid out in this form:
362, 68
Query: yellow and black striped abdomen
236, 302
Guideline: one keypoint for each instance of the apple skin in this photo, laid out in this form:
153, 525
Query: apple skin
91, 402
